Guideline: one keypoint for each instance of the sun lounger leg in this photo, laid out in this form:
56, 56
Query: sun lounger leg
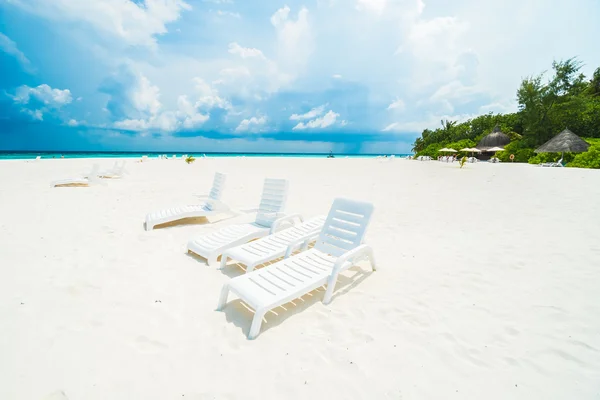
211, 259
224, 259
256, 323
330, 287
305, 245
223, 297
365, 252
250, 267
371, 257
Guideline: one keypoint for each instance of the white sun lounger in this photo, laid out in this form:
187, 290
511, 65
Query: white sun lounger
211, 206
86, 180
271, 207
338, 247
117, 171
277, 245
559, 163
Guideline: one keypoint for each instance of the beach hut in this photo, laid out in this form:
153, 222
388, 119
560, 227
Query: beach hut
494, 139
564, 142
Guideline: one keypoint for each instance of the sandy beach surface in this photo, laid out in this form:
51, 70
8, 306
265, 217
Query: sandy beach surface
488, 286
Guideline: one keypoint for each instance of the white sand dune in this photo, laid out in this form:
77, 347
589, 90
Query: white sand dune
487, 288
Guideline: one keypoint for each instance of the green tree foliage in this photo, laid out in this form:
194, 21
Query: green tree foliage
519, 149
472, 130
594, 85
541, 158
546, 107
589, 159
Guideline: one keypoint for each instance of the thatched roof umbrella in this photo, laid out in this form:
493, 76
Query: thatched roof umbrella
566, 141
494, 139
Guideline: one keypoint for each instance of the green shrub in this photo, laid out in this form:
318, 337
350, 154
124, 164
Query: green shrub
551, 157
519, 149
433, 149
589, 159
523, 155
593, 141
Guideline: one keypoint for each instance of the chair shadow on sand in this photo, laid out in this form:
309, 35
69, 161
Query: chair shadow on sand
240, 314
181, 222
226, 215
200, 221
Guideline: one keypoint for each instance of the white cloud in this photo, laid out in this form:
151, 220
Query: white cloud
245, 52
234, 73
280, 16
188, 115
50, 97
315, 112
447, 96
337, 76
209, 96
10, 47
431, 122
376, 6
295, 39
250, 124
503, 107
398, 105
434, 46
36, 115
165, 122
322, 122
455, 90
136, 24
222, 13
72, 122
145, 97
252, 74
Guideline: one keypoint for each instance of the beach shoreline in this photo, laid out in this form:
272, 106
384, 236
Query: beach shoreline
7, 155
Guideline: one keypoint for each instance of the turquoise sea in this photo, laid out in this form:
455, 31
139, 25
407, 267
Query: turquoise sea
16, 155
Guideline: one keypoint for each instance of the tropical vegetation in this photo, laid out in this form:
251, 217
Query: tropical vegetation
567, 99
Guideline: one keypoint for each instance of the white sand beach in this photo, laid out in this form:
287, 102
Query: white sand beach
487, 286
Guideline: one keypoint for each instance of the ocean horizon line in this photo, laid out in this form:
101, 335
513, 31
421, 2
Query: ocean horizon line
25, 154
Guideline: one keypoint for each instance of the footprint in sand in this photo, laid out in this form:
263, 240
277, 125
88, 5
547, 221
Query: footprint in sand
58, 395
147, 345
511, 331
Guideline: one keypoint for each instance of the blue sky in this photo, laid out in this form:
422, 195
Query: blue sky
229, 75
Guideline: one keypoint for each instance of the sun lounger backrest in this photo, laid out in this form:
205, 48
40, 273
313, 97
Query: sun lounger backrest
345, 226
93, 175
272, 202
217, 189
